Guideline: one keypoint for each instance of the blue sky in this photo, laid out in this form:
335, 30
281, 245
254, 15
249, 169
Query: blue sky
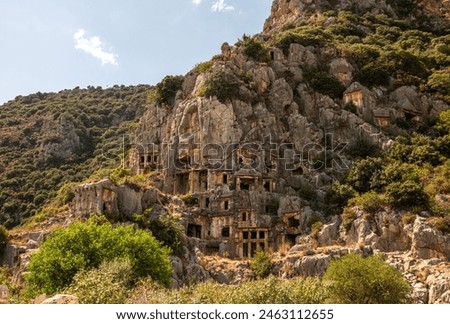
51, 45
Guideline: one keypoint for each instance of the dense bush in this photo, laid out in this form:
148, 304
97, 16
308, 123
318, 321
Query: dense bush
261, 264
85, 246
323, 82
168, 230
372, 75
305, 36
354, 280
204, 67
371, 202
106, 285
361, 173
166, 90
439, 81
406, 194
222, 85
254, 49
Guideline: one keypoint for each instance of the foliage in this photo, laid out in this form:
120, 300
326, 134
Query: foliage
362, 147
254, 49
354, 280
323, 82
339, 194
85, 246
442, 224
204, 67
66, 194
222, 85
4, 239
306, 36
443, 123
189, 199
372, 75
439, 81
266, 291
107, 284
315, 229
361, 174
371, 202
406, 194
261, 264
166, 90
168, 231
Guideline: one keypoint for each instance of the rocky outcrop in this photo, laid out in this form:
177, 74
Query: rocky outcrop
428, 242
61, 300
293, 12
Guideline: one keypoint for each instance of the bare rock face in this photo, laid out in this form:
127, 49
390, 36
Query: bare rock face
61, 141
61, 300
439, 288
429, 242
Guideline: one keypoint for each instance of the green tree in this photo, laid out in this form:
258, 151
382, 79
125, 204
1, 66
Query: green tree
166, 90
355, 280
362, 173
107, 284
86, 245
168, 230
261, 264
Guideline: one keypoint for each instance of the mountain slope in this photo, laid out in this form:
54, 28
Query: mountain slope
49, 139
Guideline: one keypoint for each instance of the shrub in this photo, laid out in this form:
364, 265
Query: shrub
168, 231
371, 202
372, 75
261, 264
254, 49
166, 90
363, 54
442, 224
4, 238
224, 86
408, 218
348, 217
362, 172
362, 147
443, 123
339, 194
406, 194
106, 285
315, 229
65, 194
189, 200
204, 67
303, 35
354, 280
85, 246
324, 83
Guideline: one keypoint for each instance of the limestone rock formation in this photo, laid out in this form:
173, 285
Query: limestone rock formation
294, 12
61, 300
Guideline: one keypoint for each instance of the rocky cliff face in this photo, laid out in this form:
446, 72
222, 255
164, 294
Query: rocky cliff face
432, 13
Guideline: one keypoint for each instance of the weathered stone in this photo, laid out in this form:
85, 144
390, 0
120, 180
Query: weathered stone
61, 299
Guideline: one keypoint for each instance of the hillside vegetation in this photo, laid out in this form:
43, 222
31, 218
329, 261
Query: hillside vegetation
50, 139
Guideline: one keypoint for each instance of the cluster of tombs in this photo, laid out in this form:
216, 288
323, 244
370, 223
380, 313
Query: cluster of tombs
235, 210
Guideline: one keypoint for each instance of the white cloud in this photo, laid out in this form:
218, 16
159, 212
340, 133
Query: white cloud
196, 2
94, 46
221, 6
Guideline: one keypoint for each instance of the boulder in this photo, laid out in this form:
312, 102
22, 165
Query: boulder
61, 300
